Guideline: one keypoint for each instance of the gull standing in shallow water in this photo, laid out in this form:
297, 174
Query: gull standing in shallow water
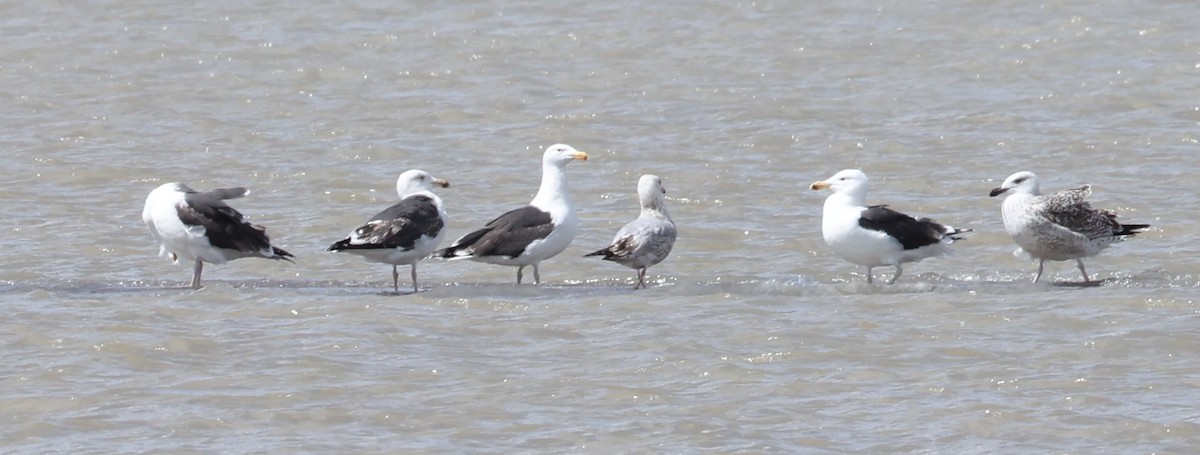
199, 227
876, 235
530, 234
647, 240
1060, 226
404, 233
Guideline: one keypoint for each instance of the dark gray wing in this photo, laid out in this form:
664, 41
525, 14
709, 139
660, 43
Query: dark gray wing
224, 227
508, 235
399, 226
910, 232
226, 193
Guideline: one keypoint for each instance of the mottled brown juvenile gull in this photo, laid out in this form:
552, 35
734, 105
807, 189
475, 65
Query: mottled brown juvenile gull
1060, 226
404, 233
199, 227
647, 240
875, 235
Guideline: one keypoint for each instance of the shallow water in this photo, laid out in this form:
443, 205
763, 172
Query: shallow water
751, 338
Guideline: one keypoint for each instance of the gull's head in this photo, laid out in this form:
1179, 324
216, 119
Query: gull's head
1021, 182
561, 154
651, 193
415, 180
851, 182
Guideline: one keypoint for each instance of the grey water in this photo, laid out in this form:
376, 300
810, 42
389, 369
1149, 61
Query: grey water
751, 338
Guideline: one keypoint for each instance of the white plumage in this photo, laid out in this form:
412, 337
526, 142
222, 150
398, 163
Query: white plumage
531, 234
874, 236
1060, 226
404, 233
647, 240
199, 227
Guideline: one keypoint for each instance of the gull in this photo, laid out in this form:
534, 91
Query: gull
404, 233
199, 227
647, 240
1060, 226
875, 235
528, 235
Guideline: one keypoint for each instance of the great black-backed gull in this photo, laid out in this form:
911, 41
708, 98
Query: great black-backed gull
530, 234
404, 233
200, 227
1060, 226
876, 235
647, 240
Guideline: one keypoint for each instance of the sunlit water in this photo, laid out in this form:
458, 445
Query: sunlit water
751, 338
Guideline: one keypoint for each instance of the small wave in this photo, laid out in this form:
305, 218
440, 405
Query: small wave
798, 286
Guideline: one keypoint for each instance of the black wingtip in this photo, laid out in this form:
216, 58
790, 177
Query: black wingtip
339, 246
608, 254
956, 235
1133, 229
281, 254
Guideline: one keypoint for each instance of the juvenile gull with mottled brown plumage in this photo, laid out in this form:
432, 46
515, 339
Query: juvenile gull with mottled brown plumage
1060, 226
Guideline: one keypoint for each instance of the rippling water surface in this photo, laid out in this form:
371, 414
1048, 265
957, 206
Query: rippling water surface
752, 337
